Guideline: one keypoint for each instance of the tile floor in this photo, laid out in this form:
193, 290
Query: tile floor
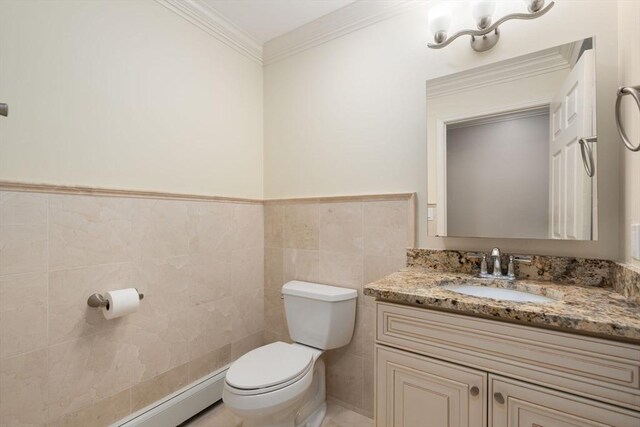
219, 416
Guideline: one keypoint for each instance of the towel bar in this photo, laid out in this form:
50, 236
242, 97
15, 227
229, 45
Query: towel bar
634, 91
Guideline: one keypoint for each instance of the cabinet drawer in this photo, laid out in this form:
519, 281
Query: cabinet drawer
596, 368
516, 403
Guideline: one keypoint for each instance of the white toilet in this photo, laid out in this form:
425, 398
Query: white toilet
283, 385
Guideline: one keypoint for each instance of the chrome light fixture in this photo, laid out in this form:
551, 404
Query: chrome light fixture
487, 34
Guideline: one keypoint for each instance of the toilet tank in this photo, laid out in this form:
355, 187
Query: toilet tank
319, 316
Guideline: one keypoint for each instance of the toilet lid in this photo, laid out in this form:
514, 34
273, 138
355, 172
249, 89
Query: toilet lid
268, 366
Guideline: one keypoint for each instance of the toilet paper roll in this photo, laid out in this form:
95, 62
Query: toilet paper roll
121, 303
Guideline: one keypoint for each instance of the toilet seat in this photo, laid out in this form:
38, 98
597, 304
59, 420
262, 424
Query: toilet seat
269, 368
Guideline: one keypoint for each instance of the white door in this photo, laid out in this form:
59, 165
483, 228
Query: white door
572, 111
518, 404
417, 391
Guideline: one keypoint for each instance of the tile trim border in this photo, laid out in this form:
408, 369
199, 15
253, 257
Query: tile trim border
389, 197
151, 194
115, 192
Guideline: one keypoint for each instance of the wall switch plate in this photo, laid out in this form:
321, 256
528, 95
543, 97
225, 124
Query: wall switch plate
430, 213
635, 241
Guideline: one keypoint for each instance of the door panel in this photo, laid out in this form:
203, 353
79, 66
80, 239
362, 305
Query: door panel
526, 414
571, 102
572, 119
520, 404
416, 391
413, 391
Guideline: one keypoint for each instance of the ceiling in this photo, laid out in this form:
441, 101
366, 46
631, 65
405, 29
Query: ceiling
267, 19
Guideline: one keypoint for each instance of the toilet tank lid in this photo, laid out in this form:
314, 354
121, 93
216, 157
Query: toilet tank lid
318, 292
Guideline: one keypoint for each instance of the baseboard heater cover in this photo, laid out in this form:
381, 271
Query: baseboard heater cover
178, 407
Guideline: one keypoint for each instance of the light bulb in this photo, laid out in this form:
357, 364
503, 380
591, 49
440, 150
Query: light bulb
439, 21
482, 11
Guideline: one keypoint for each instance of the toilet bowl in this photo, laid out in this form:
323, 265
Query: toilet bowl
267, 386
281, 384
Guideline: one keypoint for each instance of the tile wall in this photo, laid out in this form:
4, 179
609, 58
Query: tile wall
200, 265
343, 243
211, 273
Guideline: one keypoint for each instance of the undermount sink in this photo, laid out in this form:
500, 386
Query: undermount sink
497, 293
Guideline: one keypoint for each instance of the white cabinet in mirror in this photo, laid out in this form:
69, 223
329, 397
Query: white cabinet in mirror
513, 147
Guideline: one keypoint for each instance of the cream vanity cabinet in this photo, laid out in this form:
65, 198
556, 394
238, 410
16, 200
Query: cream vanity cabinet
437, 369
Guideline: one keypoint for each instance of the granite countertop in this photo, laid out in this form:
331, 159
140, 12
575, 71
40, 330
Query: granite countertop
578, 309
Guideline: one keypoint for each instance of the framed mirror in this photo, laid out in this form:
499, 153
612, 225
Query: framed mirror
512, 148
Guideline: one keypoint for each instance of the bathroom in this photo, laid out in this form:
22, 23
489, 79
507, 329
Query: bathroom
212, 160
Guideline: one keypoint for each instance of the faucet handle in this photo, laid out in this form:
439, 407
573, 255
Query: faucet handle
516, 258
484, 270
522, 259
476, 255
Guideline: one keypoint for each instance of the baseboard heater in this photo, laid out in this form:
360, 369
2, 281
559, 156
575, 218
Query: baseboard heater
179, 406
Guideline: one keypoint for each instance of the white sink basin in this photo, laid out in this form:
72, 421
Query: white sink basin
497, 293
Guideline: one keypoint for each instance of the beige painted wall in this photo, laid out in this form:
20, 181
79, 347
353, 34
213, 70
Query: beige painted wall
629, 75
126, 94
348, 117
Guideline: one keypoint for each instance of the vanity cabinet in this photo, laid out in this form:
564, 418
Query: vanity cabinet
437, 369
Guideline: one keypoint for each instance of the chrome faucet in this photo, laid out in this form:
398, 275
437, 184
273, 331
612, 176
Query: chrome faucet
496, 254
497, 265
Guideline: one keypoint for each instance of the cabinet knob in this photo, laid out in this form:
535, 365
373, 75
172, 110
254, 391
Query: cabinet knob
474, 391
498, 397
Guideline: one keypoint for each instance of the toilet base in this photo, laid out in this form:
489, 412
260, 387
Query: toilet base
316, 418
314, 409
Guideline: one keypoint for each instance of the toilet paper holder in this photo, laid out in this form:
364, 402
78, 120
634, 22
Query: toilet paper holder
98, 300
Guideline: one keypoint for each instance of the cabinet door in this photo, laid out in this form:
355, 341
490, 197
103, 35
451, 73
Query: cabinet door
519, 404
417, 391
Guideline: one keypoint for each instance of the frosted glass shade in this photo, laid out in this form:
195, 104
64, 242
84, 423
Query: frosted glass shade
482, 9
439, 19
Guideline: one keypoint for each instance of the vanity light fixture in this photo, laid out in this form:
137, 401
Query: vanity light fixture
487, 34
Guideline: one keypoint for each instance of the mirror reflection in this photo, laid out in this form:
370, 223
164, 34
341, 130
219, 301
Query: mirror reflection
512, 147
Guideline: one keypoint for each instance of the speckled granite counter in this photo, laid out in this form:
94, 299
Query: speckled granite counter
579, 309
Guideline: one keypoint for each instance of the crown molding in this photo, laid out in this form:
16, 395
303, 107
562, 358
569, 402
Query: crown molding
571, 51
208, 19
348, 19
521, 67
